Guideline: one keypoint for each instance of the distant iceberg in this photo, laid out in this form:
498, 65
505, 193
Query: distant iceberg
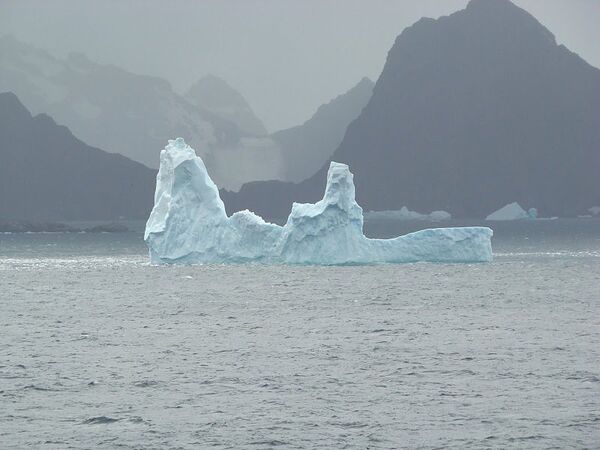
188, 224
594, 210
405, 214
513, 211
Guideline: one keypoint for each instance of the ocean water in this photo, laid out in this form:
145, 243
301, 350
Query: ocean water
99, 349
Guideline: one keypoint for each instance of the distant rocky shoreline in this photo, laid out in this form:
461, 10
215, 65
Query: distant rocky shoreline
13, 226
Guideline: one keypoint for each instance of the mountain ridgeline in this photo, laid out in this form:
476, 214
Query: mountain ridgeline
134, 115
48, 174
305, 148
472, 111
214, 94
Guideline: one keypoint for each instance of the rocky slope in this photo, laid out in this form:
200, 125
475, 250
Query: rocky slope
46, 174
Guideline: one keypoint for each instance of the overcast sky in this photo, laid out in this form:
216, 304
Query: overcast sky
285, 56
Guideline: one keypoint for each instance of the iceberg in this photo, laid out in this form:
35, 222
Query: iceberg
405, 214
513, 211
189, 225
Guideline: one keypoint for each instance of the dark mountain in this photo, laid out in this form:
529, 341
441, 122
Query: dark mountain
472, 111
48, 174
215, 95
306, 147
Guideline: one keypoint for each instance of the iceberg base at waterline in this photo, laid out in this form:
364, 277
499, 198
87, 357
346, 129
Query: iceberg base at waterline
189, 225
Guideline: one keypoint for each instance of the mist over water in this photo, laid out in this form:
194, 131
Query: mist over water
101, 349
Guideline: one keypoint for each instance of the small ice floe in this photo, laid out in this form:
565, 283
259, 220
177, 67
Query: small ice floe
405, 214
513, 211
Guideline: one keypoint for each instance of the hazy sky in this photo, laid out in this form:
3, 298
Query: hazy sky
285, 56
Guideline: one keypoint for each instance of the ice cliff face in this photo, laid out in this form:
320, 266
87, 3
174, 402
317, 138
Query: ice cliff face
188, 224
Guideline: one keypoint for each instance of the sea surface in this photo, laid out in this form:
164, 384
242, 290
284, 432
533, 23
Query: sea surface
99, 349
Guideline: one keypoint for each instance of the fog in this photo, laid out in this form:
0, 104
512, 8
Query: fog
285, 57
